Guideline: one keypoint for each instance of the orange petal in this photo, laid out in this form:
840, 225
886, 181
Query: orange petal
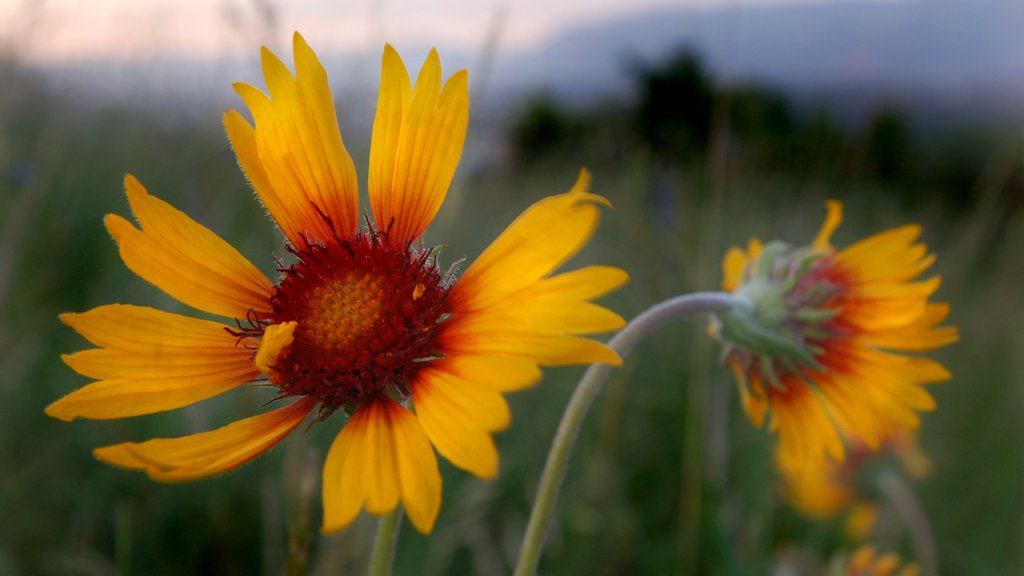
275, 339
806, 430
556, 304
823, 241
458, 416
921, 334
535, 244
888, 306
381, 455
295, 158
150, 361
207, 453
547, 349
418, 134
501, 372
733, 266
887, 256
187, 260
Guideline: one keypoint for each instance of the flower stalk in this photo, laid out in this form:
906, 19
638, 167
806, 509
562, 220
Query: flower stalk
383, 553
596, 375
901, 496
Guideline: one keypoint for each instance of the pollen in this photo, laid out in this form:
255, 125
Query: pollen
366, 315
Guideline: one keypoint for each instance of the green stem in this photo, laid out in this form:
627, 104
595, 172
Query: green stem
896, 490
384, 542
588, 387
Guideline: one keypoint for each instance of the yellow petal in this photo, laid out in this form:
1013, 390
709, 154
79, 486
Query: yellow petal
751, 395
121, 398
546, 349
551, 315
555, 305
275, 338
806, 431
500, 372
418, 134
207, 453
148, 331
834, 217
861, 521
295, 157
754, 248
915, 290
151, 361
482, 404
542, 317
381, 455
918, 335
883, 307
535, 244
733, 265
582, 284
187, 260
458, 416
887, 256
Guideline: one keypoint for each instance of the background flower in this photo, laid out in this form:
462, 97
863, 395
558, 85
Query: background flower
821, 349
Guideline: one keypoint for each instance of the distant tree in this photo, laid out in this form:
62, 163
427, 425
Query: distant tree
540, 128
889, 145
763, 124
673, 110
820, 147
955, 162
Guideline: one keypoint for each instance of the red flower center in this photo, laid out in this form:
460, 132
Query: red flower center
366, 313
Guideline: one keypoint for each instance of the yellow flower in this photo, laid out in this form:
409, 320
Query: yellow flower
820, 348
363, 320
837, 488
865, 561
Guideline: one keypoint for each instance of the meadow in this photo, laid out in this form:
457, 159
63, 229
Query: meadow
669, 476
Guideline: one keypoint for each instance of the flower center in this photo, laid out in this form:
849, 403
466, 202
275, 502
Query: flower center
366, 313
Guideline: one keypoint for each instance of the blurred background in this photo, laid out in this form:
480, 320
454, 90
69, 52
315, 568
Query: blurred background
704, 123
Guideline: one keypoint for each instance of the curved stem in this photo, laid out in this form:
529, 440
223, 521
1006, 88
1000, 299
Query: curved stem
588, 387
384, 543
896, 490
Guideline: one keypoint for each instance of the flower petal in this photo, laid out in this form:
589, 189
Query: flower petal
733, 266
418, 134
806, 430
458, 416
833, 219
381, 455
275, 338
295, 157
207, 453
921, 334
555, 306
501, 372
187, 260
546, 349
150, 361
882, 307
535, 244
889, 256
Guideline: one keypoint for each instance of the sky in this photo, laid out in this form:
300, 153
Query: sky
52, 31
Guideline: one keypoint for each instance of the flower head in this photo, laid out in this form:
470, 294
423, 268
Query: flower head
819, 347
363, 320
846, 488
